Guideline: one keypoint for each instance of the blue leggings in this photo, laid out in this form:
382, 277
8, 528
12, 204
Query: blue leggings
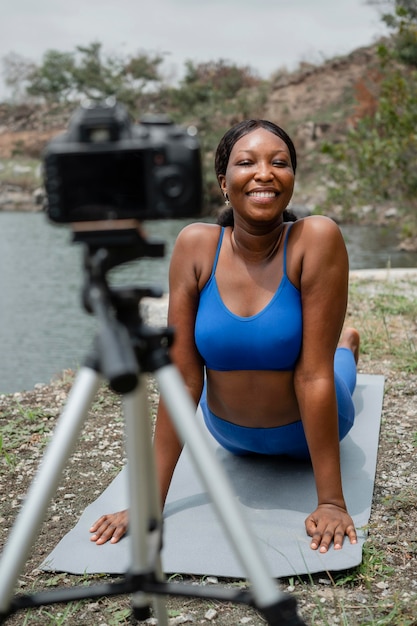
289, 439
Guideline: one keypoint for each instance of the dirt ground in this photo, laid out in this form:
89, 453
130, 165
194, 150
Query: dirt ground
383, 590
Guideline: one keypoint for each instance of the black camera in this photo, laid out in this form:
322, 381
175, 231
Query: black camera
105, 167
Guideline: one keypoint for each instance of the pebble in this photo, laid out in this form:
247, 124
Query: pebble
211, 614
382, 585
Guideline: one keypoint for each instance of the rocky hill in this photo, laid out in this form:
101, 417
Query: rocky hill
316, 100
314, 97
25, 128
311, 102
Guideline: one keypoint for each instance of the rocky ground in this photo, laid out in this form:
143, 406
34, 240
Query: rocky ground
382, 590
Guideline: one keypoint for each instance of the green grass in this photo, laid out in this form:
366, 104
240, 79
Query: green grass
385, 324
8, 457
331, 606
22, 425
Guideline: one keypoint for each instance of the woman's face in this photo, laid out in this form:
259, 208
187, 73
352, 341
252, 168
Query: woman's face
259, 179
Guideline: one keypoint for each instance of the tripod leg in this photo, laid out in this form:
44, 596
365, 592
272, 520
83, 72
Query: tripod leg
182, 411
29, 520
145, 517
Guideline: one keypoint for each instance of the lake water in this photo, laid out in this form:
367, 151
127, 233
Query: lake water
43, 327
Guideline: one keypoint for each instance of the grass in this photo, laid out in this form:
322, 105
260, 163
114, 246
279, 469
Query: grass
387, 324
27, 425
403, 502
8, 457
331, 606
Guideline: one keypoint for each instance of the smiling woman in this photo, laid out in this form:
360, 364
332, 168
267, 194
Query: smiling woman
275, 155
259, 170
258, 303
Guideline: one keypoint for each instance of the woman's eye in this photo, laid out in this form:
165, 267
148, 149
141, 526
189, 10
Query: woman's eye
280, 163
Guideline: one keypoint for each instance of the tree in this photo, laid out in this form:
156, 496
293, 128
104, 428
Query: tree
54, 79
16, 72
410, 7
96, 76
403, 23
87, 72
401, 18
215, 80
392, 6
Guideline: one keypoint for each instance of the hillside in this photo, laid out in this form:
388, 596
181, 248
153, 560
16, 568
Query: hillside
307, 100
310, 103
25, 128
317, 99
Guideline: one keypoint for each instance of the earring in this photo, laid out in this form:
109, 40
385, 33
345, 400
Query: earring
226, 200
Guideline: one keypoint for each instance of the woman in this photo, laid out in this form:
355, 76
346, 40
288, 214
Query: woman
258, 304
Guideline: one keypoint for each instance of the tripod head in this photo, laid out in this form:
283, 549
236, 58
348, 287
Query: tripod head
123, 344
124, 240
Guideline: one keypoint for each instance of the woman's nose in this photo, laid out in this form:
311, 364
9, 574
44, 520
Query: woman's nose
264, 171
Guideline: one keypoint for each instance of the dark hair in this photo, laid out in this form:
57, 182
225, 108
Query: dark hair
225, 147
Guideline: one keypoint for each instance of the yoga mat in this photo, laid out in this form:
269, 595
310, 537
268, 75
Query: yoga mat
275, 495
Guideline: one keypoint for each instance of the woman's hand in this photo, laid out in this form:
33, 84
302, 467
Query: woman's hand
328, 523
110, 527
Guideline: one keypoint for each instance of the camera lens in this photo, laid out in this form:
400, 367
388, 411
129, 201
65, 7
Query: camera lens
173, 186
170, 181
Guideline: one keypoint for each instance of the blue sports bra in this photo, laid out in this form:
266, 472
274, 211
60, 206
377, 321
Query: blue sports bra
269, 340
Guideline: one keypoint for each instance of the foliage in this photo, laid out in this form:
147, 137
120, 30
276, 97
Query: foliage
404, 23
16, 71
375, 163
88, 73
215, 81
54, 79
210, 96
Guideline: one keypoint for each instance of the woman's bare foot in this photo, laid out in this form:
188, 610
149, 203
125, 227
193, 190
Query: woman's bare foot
350, 338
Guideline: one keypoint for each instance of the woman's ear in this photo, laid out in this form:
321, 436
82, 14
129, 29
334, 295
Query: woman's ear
222, 182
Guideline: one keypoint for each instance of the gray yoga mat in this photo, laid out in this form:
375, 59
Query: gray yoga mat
275, 494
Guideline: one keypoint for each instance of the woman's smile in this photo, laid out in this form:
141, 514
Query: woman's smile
262, 194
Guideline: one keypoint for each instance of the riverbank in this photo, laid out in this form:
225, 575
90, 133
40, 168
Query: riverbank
381, 591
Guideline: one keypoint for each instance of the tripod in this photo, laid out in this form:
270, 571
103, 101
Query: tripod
124, 349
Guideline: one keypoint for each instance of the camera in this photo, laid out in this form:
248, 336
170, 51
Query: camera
105, 167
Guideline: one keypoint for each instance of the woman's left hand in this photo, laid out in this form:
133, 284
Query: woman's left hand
328, 523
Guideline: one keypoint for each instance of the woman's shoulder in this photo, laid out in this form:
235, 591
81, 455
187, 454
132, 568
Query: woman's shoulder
316, 242
193, 254
319, 223
316, 227
198, 234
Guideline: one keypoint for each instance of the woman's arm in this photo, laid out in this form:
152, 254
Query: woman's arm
189, 266
184, 292
324, 291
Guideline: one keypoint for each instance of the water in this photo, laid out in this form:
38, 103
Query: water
43, 328
375, 247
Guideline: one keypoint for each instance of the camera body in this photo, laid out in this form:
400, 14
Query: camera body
105, 167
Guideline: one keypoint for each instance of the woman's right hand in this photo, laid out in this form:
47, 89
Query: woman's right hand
110, 527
